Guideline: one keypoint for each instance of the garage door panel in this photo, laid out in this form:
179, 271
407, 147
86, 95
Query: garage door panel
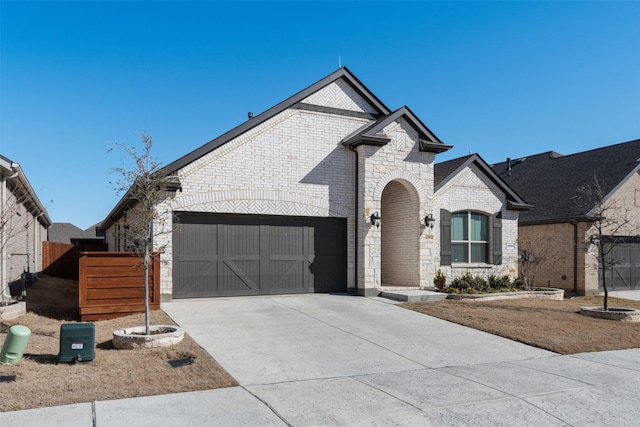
287, 275
238, 275
623, 272
240, 240
224, 255
286, 240
323, 270
198, 278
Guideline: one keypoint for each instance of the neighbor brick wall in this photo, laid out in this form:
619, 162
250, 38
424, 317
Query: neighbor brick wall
552, 248
623, 209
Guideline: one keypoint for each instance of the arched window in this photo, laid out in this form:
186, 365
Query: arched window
469, 237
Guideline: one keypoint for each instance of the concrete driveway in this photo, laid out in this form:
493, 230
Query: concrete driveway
344, 360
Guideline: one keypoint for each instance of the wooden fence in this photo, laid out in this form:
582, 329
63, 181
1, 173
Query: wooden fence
111, 284
61, 259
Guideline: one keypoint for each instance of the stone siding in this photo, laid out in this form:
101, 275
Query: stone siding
472, 190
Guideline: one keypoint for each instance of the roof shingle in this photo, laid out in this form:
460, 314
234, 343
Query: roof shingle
550, 181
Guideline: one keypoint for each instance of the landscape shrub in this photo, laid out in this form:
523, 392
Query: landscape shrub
440, 280
470, 284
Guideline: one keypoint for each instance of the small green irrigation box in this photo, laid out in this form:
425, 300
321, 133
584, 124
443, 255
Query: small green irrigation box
77, 342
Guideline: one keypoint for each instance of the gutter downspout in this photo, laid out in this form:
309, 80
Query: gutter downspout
5, 293
575, 256
355, 217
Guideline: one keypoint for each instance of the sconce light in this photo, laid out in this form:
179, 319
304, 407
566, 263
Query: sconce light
429, 220
375, 219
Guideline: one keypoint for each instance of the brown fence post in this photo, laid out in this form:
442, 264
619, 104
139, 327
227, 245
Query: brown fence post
156, 279
82, 279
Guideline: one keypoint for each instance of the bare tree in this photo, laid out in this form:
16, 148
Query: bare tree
144, 186
610, 226
529, 263
536, 256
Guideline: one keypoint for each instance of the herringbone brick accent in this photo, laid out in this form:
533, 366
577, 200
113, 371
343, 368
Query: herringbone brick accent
265, 202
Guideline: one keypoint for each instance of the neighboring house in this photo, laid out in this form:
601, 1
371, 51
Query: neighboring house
327, 191
64, 232
555, 233
23, 225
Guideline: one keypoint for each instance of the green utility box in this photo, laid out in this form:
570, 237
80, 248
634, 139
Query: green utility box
15, 344
77, 342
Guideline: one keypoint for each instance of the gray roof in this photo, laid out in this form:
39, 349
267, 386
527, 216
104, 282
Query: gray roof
64, 232
550, 181
444, 171
382, 115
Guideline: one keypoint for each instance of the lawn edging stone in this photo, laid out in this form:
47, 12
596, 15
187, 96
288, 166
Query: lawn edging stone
546, 293
132, 338
619, 314
12, 310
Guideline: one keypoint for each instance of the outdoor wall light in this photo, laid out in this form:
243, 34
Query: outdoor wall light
375, 219
429, 220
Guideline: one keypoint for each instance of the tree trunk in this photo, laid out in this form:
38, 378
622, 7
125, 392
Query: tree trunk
147, 323
604, 277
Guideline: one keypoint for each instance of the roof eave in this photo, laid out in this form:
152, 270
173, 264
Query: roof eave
373, 140
434, 147
518, 206
40, 212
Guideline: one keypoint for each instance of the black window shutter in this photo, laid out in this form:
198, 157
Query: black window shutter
496, 239
445, 237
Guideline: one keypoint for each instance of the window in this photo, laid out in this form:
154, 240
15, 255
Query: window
469, 237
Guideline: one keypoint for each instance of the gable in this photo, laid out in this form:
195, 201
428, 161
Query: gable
472, 188
450, 172
340, 95
374, 134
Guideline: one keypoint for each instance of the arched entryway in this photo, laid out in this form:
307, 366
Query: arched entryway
400, 235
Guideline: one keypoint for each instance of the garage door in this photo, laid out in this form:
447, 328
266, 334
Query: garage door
624, 272
226, 255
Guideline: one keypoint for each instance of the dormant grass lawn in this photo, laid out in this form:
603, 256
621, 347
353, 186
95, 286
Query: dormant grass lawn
548, 324
38, 381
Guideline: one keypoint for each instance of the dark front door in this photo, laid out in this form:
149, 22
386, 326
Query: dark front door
225, 255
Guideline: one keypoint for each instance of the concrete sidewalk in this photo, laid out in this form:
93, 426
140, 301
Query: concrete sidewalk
342, 360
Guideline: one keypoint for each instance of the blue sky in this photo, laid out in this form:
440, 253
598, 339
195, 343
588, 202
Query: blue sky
502, 79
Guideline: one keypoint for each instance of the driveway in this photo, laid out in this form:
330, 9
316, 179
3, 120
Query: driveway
344, 360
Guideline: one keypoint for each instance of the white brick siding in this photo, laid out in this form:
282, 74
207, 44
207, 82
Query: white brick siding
471, 190
339, 95
294, 164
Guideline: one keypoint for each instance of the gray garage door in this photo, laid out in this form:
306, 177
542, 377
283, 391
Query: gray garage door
226, 255
625, 272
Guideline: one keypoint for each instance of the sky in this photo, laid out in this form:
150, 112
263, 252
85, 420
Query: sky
501, 79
